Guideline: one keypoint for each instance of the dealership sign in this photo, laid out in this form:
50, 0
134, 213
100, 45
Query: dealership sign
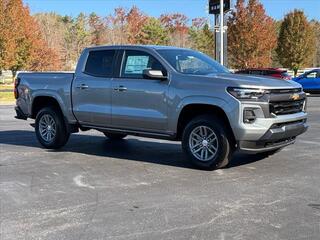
214, 6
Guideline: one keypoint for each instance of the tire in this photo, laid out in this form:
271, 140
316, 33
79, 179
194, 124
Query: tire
114, 136
220, 142
53, 121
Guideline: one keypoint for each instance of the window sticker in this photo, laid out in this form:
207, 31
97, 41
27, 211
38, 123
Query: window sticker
136, 64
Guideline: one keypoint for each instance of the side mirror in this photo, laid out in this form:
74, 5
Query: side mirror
153, 74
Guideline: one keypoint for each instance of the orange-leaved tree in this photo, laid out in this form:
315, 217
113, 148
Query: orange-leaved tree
251, 36
24, 46
135, 22
177, 25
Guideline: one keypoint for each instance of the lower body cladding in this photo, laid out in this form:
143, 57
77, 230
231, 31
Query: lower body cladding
257, 133
278, 136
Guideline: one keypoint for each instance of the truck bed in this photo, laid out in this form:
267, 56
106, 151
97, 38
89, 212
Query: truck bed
50, 84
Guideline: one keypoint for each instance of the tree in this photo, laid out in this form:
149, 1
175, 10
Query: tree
153, 33
177, 25
296, 41
77, 37
316, 27
116, 25
97, 29
251, 36
201, 37
3, 34
24, 45
53, 31
135, 21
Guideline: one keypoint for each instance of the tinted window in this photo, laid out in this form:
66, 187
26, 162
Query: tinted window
137, 61
191, 62
100, 63
242, 72
256, 72
311, 75
285, 74
270, 72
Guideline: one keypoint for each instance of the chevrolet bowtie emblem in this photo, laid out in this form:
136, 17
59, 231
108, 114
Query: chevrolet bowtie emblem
295, 97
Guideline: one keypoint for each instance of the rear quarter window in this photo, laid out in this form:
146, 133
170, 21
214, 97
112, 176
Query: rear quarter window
100, 63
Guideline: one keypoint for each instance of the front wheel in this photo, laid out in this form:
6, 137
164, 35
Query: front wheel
207, 143
50, 128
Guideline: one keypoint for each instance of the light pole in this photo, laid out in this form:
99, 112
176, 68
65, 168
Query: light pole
221, 31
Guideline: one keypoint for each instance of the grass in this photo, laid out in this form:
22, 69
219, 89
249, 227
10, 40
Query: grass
6, 97
6, 80
5, 87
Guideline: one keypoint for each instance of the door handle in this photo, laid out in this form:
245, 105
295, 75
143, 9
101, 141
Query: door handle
83, 86
120, 89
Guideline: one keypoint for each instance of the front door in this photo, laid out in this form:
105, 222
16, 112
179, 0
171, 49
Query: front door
91, 93
139, 103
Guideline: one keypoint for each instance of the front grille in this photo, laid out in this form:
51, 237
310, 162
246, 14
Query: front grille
286, 107
283, 91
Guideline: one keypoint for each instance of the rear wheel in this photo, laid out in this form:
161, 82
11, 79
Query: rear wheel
207, 143
114, 136
50, 128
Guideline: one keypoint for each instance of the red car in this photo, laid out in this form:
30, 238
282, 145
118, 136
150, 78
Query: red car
271, 72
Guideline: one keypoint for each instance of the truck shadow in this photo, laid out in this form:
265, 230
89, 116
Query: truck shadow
134, 149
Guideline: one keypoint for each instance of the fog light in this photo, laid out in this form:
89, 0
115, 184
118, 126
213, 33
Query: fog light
248, 116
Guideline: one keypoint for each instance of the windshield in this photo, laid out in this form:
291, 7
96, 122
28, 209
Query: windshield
191, 62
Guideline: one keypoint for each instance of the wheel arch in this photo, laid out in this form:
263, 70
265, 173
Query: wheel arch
39, 102
191, 110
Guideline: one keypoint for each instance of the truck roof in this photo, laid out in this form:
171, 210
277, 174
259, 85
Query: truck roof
155, 47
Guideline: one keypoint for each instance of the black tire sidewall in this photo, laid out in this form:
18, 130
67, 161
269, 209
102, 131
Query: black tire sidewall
221, 158
61, 136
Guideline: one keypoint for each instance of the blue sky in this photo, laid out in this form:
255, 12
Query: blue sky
192, 8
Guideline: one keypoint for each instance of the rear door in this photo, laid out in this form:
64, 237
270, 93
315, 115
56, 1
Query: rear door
92, 89
139, 103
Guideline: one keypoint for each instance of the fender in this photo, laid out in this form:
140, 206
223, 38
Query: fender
55, 95
206, 100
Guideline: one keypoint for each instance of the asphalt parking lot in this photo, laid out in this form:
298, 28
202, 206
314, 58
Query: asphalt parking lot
144, 189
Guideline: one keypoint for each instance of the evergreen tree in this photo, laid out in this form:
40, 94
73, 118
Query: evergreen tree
202, 39
153, 33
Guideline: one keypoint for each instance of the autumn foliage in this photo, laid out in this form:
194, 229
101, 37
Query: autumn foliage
22, 45
251, 36
296, 45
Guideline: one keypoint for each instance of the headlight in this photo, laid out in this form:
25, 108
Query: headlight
247, 93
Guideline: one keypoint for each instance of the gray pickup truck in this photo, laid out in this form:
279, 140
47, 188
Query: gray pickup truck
164, 92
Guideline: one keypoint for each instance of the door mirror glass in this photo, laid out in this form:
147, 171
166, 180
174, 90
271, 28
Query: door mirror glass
153, 74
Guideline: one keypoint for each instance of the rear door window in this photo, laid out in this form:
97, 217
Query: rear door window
100, 63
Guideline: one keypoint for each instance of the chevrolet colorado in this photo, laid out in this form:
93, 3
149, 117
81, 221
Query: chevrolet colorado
164, 92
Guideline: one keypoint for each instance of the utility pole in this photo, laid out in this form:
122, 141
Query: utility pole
221, 31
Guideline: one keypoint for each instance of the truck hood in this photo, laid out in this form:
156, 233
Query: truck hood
249, 81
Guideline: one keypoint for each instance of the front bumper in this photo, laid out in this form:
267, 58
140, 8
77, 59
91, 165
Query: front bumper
278, 135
